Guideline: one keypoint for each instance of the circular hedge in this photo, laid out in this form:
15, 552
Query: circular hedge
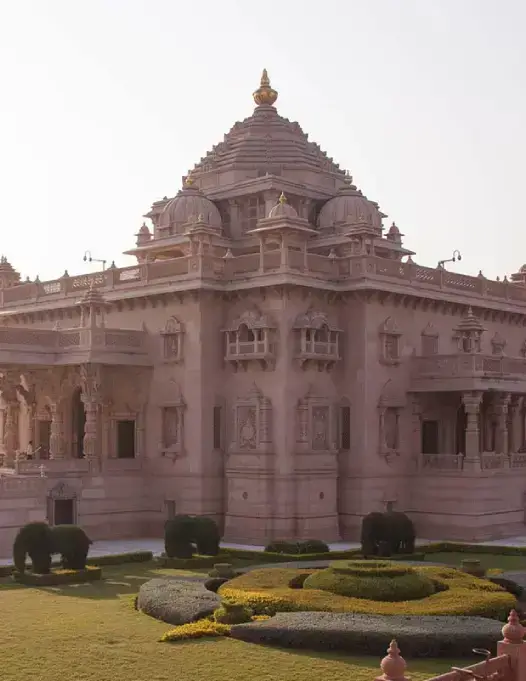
375, 581
269, 591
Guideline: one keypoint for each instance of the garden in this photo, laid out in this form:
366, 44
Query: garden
293, 611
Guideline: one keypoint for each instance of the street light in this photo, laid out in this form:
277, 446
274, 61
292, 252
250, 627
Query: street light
89, 258
456, 256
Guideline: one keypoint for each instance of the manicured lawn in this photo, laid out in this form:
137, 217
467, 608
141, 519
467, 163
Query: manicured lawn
91, 632
487, 560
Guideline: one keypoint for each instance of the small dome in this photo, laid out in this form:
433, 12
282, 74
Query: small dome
523, 268
186, 206
283, 209
350, 206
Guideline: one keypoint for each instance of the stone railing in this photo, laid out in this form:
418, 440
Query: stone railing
206, 266
65, 340
460, 365
441, 462
508, 665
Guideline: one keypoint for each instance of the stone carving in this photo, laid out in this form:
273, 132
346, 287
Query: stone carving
173, 407
389, 342
252, 429
316, 423
498, 344
172, 340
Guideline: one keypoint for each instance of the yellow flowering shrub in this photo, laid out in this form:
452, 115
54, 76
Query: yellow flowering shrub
267, 591
201, 629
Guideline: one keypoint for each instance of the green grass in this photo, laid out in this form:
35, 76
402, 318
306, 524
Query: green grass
90, 632
487, 560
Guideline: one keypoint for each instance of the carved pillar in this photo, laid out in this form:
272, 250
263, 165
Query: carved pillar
90, 427
11, 429
57, 449
416, 428
501, 412
471, 402
515, 411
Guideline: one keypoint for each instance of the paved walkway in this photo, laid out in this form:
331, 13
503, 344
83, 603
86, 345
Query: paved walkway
156, 546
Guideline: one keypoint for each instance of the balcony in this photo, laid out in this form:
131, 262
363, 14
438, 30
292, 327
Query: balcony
240, 352
466, 372
28, 346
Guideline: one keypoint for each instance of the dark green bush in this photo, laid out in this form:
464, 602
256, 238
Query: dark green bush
214, 583
310, 546
72, 543
33, 540
184, 534
232, 613
387, 534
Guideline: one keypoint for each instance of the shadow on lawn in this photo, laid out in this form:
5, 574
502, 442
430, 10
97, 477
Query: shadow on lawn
116, 582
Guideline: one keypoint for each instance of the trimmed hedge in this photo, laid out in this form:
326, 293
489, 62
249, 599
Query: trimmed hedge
195, 562
368, 634
373, 580
115, 559
296, 547
268, 591
184, 533
58, 577
452, 547
176, 601
193, 630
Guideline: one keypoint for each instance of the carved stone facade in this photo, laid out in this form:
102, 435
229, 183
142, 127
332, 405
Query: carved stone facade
275, 359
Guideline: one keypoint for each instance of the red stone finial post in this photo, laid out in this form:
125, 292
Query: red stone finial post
513, 644
393, 665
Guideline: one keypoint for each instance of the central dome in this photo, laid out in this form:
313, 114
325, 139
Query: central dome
187, 206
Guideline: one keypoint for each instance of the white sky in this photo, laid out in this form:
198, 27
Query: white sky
105, 104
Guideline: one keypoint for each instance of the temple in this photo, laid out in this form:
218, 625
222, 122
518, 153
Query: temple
275, 359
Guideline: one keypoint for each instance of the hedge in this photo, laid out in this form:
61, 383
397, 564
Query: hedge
195, 562
57, 577
452, 547
268, 591
115, 559
370, 635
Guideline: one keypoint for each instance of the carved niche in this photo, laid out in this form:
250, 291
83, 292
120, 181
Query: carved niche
252, 423
498, 344
390, 407
173, 407
390, 342
172, 341
249, 341
316, 341
316, 424
429, 340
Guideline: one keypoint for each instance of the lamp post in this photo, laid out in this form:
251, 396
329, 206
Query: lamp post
456, 256
89, 258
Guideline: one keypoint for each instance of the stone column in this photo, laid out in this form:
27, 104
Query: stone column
471, 402
516, 414
501, 412
56, 436
90, 428
11, 430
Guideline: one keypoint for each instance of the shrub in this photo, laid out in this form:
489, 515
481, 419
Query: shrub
176, 601
370, 634
222, 570
72, 543
214, 583
387, 534
122, 558
184, 533
33, 540
268, 591
301, 547
201, 629
378, 581
232, 613
178, 535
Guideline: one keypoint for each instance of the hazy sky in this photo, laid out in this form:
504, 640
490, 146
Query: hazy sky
105, 104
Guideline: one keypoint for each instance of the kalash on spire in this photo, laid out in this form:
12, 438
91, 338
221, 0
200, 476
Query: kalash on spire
265, 95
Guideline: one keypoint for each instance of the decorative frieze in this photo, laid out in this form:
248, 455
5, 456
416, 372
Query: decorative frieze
390, 342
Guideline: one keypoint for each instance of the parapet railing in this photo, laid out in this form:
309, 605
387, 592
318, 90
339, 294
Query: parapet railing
53, 340
211, 267
489, 461
466, 365
508, 665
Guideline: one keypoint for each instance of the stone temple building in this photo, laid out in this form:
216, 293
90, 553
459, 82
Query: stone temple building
275, 359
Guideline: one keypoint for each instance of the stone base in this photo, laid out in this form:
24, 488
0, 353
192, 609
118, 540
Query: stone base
58, 577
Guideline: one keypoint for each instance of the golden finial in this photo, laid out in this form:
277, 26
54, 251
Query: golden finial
189, 180
282, 199
265, 95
